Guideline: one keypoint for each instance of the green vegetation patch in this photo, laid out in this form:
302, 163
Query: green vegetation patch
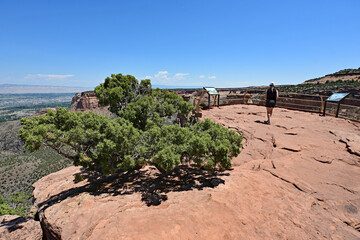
323, 88
19, 168
17, 204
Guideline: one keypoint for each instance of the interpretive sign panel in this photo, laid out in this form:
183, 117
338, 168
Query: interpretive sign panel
211, 90
337, 97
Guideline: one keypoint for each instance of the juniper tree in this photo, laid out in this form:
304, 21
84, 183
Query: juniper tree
144, 133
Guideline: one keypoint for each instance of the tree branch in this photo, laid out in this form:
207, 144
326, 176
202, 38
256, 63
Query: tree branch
75, 159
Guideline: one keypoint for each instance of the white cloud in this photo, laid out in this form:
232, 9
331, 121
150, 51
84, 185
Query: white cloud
180, 76
48, 76
212, 77
166, 78
201, 76
162, 75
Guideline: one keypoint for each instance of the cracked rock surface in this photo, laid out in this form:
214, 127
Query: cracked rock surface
317, 156
295, 179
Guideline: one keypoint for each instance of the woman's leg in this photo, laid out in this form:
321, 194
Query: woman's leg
268, 111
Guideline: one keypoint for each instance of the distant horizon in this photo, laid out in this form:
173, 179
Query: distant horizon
84, 89
9, 88
156, 85
39, 85
76, 89
12, 87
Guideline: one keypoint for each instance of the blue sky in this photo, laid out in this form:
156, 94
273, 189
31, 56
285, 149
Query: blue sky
182, 43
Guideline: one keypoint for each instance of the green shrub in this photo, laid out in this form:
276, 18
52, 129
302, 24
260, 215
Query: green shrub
145, 133
14, 205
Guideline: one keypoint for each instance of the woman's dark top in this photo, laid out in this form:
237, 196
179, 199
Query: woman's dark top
271, 95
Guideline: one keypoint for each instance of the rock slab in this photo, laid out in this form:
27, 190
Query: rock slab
293, 180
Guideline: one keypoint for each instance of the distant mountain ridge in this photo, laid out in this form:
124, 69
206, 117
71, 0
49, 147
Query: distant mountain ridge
343, 75
23, 88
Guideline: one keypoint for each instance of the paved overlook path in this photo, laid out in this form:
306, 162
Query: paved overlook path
298, 178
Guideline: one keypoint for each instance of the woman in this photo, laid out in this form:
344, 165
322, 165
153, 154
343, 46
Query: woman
271, 95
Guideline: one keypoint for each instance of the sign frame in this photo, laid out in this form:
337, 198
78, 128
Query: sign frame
212, 91
335, 98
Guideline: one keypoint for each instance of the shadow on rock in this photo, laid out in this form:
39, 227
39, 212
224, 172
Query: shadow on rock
13, 224
262, 122
152, 185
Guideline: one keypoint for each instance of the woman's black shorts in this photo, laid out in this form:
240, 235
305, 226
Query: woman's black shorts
270, 103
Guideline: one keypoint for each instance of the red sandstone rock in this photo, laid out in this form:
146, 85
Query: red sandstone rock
87, 101
16, 227
293, 180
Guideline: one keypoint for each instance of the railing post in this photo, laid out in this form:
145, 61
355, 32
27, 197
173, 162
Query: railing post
322, 104
245, 95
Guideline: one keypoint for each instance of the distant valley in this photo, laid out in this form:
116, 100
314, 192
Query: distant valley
16, 106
